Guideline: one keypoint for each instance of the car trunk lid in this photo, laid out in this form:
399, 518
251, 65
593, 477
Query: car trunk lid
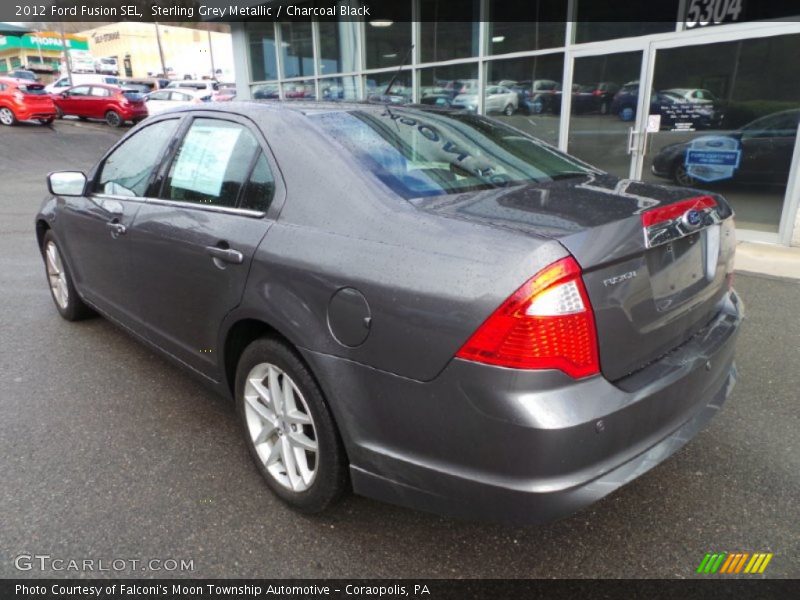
650, 291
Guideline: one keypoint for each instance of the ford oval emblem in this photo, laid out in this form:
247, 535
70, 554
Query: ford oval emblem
693, 218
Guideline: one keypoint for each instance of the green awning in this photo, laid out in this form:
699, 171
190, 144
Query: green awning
11, 29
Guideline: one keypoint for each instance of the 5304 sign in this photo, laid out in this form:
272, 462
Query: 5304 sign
700, 13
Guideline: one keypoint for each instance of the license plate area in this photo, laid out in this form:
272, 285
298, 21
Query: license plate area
679, 269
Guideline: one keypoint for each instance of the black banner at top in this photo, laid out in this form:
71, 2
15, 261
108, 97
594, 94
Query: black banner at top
702, 11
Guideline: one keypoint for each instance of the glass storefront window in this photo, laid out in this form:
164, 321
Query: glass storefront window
449, 29
401, 91
599, 126
338, 46
297, 49
728, 116
299, 90
450, 86
522, 26
261, 44
525, 92
265, 91
595, 20
339, 88
387, 40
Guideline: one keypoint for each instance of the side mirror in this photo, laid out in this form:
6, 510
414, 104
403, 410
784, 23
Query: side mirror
64, 94
66, 183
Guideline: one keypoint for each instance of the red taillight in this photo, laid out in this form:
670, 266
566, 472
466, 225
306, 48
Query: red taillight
673, 211
546, 324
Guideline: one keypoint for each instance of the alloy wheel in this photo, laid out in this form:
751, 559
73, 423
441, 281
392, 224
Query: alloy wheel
6, 116
281, 427
56, 275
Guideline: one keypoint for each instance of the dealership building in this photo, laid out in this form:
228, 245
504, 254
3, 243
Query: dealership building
40, 52
718, 109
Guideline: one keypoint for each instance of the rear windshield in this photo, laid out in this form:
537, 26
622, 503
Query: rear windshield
133, 95
420, 154
32, 88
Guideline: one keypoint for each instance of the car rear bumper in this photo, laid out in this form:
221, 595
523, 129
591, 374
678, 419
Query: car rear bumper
520, 446
29, 113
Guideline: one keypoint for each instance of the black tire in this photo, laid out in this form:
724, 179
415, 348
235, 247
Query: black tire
508, 110
680, 176
59, 113
75, 309
7, 117
114, 119
84, 118
331, 478
47, 121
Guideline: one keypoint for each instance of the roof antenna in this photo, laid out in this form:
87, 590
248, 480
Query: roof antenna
399, 70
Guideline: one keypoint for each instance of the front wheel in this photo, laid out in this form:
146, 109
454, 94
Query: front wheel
62, 289
508, 110
680, 175
114, 119
47, 121
59, 113
7, 116
288, 427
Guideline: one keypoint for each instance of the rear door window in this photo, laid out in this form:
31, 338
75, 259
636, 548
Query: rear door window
81, 90
127, 171
260, 188
100, 92
211, 164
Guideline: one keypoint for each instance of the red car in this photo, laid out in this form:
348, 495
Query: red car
24, 101
94, 101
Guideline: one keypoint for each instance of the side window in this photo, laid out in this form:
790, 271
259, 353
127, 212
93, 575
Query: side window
159, 96
260, 188
211, 164
81, 90
127, 171
101, 92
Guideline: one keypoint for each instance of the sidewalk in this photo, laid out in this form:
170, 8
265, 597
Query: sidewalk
768, 259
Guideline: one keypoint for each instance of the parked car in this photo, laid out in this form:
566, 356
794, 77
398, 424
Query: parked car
161, 100
673, 108
63, 82
113, 104
208, 85
22, 74
594, 98
107, 65
22, 100
765, 149
693, 95
146, 84
498, 99
227, 92
449, 315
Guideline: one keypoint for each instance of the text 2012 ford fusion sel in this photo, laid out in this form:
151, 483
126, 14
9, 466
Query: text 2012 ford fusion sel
428, 307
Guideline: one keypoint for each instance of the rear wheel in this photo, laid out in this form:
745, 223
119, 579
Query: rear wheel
114, 119
62, 289
288, 427
7, 116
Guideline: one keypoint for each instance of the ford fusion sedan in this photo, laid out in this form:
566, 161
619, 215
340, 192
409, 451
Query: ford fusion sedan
426, 307
113, 104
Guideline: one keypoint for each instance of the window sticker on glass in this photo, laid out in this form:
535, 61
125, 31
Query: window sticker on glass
203, 159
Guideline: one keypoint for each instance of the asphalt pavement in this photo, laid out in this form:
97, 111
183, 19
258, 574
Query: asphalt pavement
109, 452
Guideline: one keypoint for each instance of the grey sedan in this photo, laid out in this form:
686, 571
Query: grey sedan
427, 307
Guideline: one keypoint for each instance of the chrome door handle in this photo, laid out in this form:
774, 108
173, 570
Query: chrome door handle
226, 254
117, 228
